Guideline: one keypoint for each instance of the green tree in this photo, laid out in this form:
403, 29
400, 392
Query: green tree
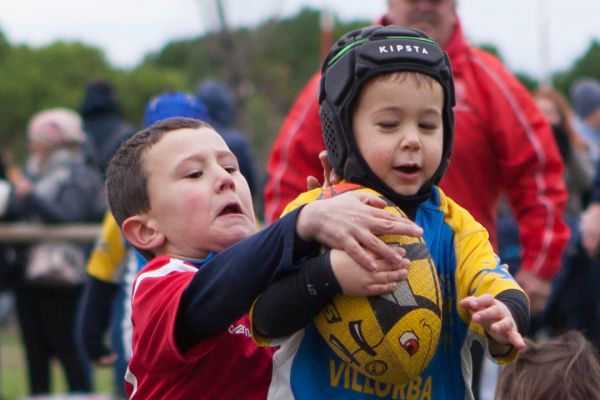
587, 65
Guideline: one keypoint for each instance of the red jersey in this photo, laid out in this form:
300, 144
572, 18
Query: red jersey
228, 365
502, 145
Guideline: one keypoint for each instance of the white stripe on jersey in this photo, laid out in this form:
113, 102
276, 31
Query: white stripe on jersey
174, 265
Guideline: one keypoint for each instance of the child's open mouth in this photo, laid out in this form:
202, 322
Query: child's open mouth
408, 169
232, 208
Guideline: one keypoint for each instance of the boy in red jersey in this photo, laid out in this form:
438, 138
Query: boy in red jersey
176, 192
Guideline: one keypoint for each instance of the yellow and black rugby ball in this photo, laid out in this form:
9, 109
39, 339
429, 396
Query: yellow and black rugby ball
390, 338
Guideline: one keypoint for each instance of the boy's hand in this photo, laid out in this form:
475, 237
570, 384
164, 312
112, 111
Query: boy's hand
351, 222
357, 281
329, 176
496, 319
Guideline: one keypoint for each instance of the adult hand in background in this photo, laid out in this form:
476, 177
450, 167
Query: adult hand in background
537, 289
590, 229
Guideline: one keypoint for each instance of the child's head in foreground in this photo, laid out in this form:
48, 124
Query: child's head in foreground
386, 103
175, 189
561, 368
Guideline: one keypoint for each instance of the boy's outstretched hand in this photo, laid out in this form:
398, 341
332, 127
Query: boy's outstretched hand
496, 319
357, 281
351, 222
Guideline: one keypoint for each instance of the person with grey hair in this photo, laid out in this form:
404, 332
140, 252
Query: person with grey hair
57, 187
585, 97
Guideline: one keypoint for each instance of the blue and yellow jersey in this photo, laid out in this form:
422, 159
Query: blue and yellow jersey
306, 368
109, 253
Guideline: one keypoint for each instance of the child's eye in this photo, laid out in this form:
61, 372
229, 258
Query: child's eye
194, 175
428, 126
387, 124
231, 169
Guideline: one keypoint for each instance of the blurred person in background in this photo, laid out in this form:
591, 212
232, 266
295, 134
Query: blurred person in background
103, 122
575, 299
113, 265
503, 144
585, 97
57, 187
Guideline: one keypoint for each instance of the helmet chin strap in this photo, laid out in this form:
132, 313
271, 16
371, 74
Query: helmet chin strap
358, 171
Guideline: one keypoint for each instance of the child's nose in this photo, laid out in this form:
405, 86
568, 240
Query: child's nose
411, 139
224, 181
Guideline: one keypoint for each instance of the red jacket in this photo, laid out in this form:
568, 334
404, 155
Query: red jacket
502, 144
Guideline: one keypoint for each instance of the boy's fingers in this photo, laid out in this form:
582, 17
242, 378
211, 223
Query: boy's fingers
391, 276
312, 183
370, 199
488, 314
362, 257
477, 303
516, 339
396, 264
504, 325
377, 289
381, 250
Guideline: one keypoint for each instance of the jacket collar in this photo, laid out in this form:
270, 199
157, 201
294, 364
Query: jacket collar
456, 46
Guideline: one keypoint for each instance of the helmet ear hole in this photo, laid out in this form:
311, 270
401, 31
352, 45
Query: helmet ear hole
335, 151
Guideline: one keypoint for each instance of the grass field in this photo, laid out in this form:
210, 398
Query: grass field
13, 374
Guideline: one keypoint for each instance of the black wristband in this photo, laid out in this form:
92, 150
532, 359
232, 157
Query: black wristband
518, 305
292, 302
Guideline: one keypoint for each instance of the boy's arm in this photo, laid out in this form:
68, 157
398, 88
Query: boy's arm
481, 275
96, 311
103, 268
224, 288
505, 319
293, 302
346, 222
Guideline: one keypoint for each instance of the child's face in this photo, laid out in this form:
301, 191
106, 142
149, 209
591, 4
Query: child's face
199, 200
398, 128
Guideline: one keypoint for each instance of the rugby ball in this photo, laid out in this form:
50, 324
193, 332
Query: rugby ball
389, 338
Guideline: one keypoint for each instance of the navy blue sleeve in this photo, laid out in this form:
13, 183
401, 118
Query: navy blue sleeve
96, 307
518, 305
292, 302
224, 288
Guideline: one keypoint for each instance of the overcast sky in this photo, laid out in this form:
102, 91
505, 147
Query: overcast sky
128, 29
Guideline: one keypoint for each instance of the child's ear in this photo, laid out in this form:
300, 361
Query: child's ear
141, 233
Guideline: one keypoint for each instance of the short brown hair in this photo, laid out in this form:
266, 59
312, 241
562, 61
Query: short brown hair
126, 179
564, 367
